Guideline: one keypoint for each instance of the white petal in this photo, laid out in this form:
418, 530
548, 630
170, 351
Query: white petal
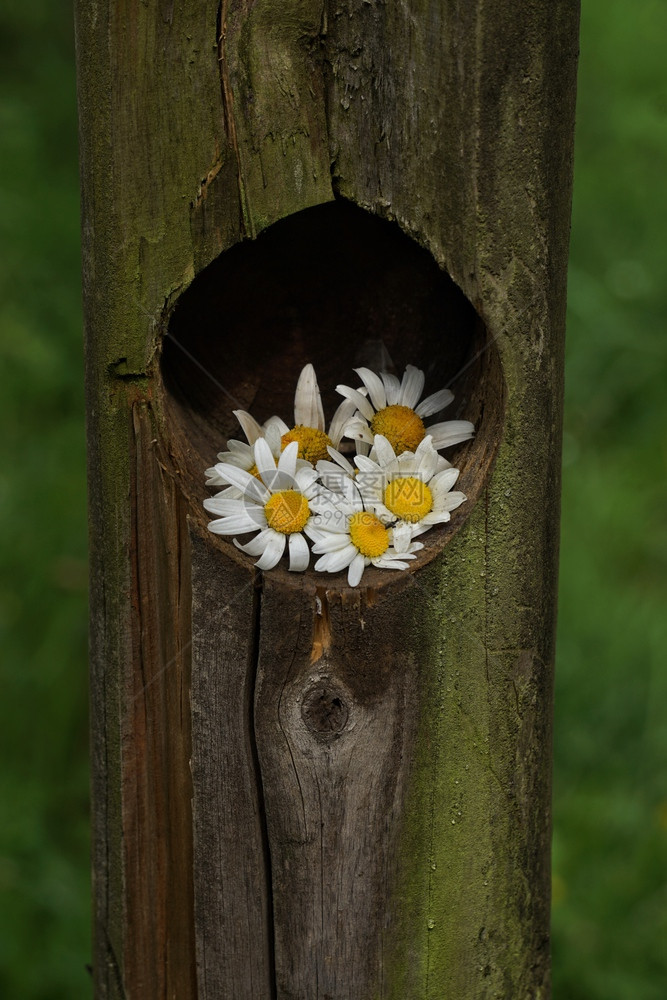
372, 489
411, 386
334, 562
264, 460
332, 476
305, 477
275, 424
335, 473
318, 534
386, 455
360, 402
256, 545
406, 464
299, 553
451, 432
435, 517
433, 404
341, 558
443, 481
453, 500
287, 460
238, 524
224, 506
243, 481
358, 430
256, 492
241, 463
341, 460
391, 556
324, 499
428, 461
425, 445
307, 401
273, 435
381, 512
340, 419
331, 520
213, 479
275, 546
356, 570
385, 563
249, 425
392, 388
229, 491
421, 528
331, 542
402, 536
350, 498
230, 472
375, 387
366, 464
314, 533
239, 449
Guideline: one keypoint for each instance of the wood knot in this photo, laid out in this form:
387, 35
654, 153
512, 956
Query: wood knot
324, 710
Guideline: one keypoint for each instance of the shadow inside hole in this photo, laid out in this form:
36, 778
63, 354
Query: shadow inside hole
338, 287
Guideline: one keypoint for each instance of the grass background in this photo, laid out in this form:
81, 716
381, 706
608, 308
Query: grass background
610, 840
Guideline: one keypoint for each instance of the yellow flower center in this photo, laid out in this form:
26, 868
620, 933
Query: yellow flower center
408, 498
287, 511
368, 534
401, 426
312, 443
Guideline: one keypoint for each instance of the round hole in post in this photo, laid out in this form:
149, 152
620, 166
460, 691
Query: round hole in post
338, 287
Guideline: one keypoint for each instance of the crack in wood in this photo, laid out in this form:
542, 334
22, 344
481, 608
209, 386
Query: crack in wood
112, 965
266, 847
206, 181
245, 218
322, 628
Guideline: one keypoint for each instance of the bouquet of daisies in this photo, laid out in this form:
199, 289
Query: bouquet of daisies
293, 488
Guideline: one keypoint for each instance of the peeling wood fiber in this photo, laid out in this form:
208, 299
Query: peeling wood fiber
407, 854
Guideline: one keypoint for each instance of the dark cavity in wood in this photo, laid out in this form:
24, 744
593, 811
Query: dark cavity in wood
338, 287
324, 711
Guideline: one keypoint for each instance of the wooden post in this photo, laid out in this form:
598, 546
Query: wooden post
300, 790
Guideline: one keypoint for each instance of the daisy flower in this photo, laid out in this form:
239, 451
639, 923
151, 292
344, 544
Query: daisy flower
241, 454
392, 409
275, 504
407, 490
309, 430
334, 473
347, 536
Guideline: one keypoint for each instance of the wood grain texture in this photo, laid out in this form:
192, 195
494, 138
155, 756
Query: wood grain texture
336, 711
157, 823
426, 767
232, 895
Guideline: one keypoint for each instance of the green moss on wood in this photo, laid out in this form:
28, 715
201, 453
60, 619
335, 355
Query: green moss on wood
456, 121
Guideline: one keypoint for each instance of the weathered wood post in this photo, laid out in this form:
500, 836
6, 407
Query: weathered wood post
300, 790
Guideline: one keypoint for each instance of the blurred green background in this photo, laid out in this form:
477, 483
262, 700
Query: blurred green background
610, 840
